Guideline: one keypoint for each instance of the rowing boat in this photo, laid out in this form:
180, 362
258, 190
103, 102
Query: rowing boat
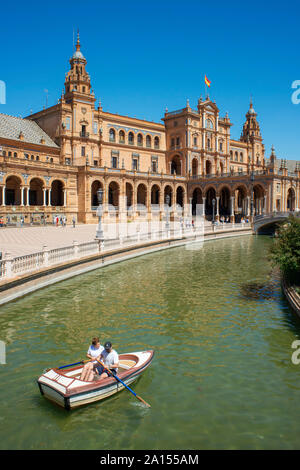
65, 388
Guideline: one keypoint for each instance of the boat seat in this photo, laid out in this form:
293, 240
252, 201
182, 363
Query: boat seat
126, 363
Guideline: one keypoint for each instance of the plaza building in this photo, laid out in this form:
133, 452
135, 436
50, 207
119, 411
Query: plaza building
54, 161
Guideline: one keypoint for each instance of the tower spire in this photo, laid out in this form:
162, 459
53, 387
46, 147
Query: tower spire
78, 41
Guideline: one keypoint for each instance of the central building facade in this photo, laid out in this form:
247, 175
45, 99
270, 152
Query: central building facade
191, 157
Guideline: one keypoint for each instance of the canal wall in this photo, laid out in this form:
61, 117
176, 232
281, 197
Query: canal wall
292, 296
22, 285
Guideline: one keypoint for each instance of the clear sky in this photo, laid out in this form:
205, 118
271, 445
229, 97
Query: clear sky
146, 55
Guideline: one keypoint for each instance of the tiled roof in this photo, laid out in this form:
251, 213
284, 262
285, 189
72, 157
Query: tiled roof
11, 127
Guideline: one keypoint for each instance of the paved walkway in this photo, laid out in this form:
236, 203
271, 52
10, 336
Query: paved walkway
20, 241
26, 240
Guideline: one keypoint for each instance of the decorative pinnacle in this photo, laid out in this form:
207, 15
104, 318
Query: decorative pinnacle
78, 41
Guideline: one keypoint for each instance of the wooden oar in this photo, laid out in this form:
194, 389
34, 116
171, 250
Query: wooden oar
121, 381
75, 364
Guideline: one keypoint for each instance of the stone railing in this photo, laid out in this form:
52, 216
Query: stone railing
21, 265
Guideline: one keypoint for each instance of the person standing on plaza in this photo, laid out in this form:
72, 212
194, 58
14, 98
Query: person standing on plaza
74, 221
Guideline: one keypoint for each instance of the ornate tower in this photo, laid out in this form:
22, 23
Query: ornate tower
251, 134
77, 80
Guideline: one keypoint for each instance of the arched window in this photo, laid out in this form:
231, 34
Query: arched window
156, 143
140, 140
221, 146
112, 135
241, 157
131, 138
122, 137
236, 158
231, 155
209, 124
15, 154
148, 141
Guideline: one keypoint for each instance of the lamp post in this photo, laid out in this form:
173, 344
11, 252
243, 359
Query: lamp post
99, 232
252, 180
213, 204
167, 219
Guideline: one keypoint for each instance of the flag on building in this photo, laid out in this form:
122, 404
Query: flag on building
207, 82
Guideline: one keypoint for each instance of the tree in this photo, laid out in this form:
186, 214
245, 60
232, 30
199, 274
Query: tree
285, 251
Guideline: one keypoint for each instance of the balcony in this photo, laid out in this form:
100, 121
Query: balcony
84, 135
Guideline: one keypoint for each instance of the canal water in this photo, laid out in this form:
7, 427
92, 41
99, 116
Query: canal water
221, 378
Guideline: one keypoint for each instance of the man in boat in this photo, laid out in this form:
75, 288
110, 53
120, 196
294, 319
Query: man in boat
94, 353
110, 358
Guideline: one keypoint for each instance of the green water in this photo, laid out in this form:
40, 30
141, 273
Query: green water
221, 378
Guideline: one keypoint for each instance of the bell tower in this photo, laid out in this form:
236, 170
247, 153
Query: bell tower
251, 134
77, 81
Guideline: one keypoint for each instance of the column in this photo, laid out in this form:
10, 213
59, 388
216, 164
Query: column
49, 197
265, 205
3, 195
248, 206
65, 197
203, 213
22, 195
27, 196
44, 197
232, 209
217, 207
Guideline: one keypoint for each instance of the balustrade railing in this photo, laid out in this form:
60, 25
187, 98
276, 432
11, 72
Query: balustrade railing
20, 265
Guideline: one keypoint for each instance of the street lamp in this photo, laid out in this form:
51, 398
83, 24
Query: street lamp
213, 204
252, 180
167, 203
99, 232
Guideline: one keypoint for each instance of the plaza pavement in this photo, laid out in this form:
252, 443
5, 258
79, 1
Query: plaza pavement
19, 241
26, 240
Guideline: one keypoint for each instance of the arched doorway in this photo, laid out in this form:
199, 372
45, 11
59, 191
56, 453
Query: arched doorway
129, 195
291, 200
13, 191
168, 192
210, 196
224, 202
113, 194
197, 200
96, 185
36, 192
142, 195
57, 193
179, 196
240, 197
155, 194
258, 196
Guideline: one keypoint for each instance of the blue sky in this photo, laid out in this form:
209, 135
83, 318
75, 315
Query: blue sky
146, 55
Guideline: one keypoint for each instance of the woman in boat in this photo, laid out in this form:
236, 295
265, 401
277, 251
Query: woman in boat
110, 359
94, 353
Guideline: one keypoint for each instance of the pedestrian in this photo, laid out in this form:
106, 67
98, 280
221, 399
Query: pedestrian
74, 221
56, 221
